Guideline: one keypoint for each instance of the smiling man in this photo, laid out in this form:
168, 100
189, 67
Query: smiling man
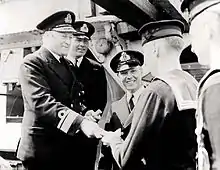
54, 120
91, 75
128, 66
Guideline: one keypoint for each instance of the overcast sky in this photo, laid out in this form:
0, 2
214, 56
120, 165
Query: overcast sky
24, 15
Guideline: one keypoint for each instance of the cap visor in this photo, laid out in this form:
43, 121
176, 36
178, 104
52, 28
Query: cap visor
81, 35
64, 29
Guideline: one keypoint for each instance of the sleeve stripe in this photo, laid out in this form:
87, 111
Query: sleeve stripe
66, 122
63, 118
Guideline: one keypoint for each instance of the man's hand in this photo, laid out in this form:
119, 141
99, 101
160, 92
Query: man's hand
4, 164
93, 116
110, 137
91, 129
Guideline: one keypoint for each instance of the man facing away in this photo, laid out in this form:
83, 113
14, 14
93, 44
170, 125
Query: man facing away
163, 126
53, 115
205, 38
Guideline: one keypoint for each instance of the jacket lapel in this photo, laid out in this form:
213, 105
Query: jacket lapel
54, 65
130, 117
120, 107
128, 120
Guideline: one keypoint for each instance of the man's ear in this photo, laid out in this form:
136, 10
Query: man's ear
141, 69
156, 49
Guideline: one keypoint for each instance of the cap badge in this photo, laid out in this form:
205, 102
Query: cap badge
148, 34
124, 57
68, 19
84, 28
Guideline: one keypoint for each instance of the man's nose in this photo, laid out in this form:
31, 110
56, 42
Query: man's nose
129, 74
82, 43
68, 40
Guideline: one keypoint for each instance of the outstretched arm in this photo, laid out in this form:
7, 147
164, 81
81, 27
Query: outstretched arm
148, 117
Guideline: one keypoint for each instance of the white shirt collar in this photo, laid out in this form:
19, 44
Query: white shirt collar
79, 61
136, 94
55, 55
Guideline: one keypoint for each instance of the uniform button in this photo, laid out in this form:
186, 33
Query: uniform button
71, 105
79, 94
83, 92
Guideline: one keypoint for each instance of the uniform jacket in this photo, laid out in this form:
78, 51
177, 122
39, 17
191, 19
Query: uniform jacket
50, 123
120, 117
161, 131
209, 107
92, 77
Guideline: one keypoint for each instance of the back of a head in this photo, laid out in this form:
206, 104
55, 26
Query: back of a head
162, 44
171, 30
204, 14
204, 28
175, 43
165, 35
210, 18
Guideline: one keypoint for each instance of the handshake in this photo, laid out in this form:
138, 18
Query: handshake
91, 129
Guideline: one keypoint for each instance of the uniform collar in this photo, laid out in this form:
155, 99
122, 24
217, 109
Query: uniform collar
79, 61
55, 55
73, 60
135, 94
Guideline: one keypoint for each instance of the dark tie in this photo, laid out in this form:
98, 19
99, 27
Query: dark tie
76, 62
62, 60
131, 103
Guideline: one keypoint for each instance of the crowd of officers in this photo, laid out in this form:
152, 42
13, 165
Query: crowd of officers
171, 124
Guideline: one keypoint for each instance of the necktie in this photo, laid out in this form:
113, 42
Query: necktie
131, 103
76, 63
62, 60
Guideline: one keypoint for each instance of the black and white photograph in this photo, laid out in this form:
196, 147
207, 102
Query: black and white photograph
109, 85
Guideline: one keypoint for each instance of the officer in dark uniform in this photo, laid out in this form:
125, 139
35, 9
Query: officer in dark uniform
91, 76
87, 70
54, 119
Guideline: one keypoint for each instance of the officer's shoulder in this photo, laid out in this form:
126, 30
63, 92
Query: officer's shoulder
159, 87
94, 63
33, 58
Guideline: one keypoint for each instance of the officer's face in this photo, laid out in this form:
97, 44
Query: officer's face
79, 46
131, 78
61, 42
